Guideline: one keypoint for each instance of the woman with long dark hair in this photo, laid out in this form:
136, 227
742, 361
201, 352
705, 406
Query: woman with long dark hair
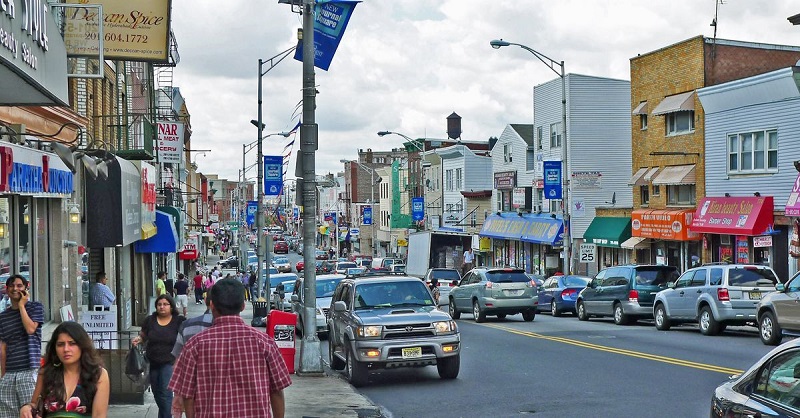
72, 382
159, 332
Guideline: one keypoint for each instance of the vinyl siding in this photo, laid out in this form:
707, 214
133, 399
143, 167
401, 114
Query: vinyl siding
519, 161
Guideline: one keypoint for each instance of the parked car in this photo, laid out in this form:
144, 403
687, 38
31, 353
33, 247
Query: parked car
715, 296
537, 278
342, 266
299, 266
385, 264
779, 312
282, 264
321, 255
389, 322
398, 268
280, 247
448, 278
769, 388
559, 293
488, 291
359, 258
625, 293
325, 286
230, 262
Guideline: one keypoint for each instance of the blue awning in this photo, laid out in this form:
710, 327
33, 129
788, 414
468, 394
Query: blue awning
536, 229
166, 238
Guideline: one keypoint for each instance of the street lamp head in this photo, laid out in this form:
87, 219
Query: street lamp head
384, 133
343, 161
497, 43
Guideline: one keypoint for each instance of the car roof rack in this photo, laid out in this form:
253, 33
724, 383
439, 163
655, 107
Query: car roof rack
716, 263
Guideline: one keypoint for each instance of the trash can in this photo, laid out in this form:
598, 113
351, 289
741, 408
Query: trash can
280, 326
259, 311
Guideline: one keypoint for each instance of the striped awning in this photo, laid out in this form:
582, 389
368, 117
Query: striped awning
676, 175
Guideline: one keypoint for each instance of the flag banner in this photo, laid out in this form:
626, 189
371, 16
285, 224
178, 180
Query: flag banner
330, 22
273, 174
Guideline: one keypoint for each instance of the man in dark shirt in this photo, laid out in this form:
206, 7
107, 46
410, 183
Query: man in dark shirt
20, 347
182, 293
170, 283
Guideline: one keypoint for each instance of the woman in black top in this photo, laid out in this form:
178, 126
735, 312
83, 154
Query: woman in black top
159, 332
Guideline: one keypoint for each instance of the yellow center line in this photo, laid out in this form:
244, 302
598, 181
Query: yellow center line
621, 351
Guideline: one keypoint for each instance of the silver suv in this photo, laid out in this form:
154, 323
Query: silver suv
715, 296
389, 322
494, 291
779, 312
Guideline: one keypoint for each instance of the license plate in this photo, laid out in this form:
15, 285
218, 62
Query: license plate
755, 295
412, 352
515, 292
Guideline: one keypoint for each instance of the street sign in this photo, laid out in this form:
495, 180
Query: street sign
354, 232
588, 253
417, 208
367, 220
273, 175
552, 180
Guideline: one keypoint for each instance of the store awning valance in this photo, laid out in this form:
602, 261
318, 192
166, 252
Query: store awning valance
641, 109
608, 231
676, 103
676, 175
536, 229
736, 215
166, 238
633, 243
637, 177
148, 230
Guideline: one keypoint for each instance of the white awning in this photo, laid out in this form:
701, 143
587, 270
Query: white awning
641, 109
676, 103
635, 242
637, 176
677, 174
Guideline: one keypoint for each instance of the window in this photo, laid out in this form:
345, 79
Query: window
782, 371
753, 152
539, 137
715, 277
699, 278
683, 194
507, 149
449, 180
499, 195
458, 179
554, 206
555, 135
656, 190
643, 122
473, 219
680, 122
645, 195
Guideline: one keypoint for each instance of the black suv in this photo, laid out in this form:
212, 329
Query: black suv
624, 292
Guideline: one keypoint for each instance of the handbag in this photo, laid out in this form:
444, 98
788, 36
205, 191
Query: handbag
137, 367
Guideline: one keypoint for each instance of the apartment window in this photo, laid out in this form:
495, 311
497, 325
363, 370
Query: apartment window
539, 137
507, 153
555, 135
458, 179
473, 218
643, 122
656, 190
449, 180
753, 152
680, 122
644, 192
499, 195
555, 206
681, 194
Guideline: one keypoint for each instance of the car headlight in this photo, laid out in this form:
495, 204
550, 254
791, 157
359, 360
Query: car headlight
445, 327
370, 331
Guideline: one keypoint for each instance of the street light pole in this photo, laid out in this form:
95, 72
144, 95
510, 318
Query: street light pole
565, 207
421, 166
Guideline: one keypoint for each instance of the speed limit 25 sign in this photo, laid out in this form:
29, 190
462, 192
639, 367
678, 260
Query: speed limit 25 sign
588, 253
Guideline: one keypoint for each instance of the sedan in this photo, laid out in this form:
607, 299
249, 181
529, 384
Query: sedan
230, 262
342, 266
281, 247
770, 388
321, 255
558, 293
282, 264
299, 266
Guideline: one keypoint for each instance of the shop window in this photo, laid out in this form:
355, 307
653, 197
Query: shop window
683, 194
5, 238
679, 123
753, 152
645, 195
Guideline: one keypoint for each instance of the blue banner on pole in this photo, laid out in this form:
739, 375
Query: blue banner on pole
367, 216
252, 208
273, 175
552, 180
296, 213
330, 21
417, 208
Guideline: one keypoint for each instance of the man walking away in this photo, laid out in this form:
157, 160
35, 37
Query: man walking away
170, 285
182, 293
197, 282
189, 328
469, 260
20, 347
211, 383
102, 296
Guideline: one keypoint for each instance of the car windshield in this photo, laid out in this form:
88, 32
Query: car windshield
273, 281
751, 276
657, 276
393, 294
288, 286
281, 260
502, 276
445, 275
342, 266
326, 287
576, 281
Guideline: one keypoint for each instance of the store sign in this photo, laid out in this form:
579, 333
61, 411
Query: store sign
518, 198
27, 171
734, 215
505, 180
586, 180
148, 172
793, 204
762, 241
190, 250
102, 327
170, 142
663, 224
355, 232
114, 206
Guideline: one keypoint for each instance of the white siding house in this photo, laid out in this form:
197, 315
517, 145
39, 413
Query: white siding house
463, 170
511, 154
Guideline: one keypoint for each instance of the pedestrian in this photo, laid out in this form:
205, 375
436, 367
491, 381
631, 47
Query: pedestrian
182, 294
72, 380
102, 296
169, 283
208, 283
159, 332
434, 286
161, 287
469, 260
197, 283
245, 278
212, 383
215, 273
253, 286
20, 346
189, 328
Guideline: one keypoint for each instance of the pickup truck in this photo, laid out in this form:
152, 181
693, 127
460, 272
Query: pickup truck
388, 322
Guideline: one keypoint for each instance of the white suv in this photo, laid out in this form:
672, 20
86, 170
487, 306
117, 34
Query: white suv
715, 296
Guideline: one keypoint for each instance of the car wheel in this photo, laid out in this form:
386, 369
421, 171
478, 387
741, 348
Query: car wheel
501, 316
769, 330
528, 315
477, 312
662, 321
448, 367
708, 325
582, 315
454, 313
336, 362
356, 371
619, 315
554, 309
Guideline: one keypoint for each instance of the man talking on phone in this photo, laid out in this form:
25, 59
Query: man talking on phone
20, 347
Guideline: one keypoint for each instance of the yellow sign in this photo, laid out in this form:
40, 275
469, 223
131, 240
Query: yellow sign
402, 243
132, 30
485, 244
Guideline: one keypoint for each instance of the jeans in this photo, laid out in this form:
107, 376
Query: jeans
160, 374
198, 295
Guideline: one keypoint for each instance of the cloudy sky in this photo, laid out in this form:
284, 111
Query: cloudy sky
405, 65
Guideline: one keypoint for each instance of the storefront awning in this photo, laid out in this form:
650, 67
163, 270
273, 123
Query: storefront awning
676, 175
793, 204
637, 177
663, 224
164, 241
633, 243
734, 216
536, 229
676, 103
641, 109
608, 231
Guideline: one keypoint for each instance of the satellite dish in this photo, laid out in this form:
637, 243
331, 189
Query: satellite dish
613, 199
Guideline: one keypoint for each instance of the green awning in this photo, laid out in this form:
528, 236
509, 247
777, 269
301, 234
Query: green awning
608, 231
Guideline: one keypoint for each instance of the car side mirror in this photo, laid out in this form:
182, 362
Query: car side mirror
339, 306
591, 285
780, 287
295, 298
671, 285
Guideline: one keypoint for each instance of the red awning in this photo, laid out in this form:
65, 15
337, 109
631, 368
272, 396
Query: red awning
734, 216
